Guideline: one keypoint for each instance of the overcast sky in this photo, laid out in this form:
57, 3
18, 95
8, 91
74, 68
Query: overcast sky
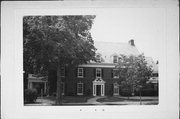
145, 25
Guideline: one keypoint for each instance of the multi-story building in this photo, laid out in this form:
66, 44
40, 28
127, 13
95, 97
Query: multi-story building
95, 78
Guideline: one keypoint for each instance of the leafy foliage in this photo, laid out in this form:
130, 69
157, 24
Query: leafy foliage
56, 41
49, 39
133, 71
30, 95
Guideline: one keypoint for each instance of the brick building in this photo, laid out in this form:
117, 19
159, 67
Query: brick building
95, 78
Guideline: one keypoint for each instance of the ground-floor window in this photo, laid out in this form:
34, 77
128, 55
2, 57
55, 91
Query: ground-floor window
79, 88
62, 88
62, 71
116, 89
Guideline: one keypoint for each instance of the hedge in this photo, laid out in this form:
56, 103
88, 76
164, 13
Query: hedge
30, 95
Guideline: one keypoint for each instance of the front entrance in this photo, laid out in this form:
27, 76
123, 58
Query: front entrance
98, 87
98, 90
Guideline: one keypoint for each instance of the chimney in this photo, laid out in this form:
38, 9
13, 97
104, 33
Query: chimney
131, 42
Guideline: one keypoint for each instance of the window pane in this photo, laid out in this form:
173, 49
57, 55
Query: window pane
79, 85
62, 87
80, 88
80, 72
115, 90
62, 71
115, 73
115, 59
98, 58
98, 72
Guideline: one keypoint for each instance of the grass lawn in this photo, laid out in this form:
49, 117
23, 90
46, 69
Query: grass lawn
70, 99
118, 99
75, 99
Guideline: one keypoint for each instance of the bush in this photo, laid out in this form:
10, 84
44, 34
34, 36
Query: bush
125, 93
147, 92
30, 95
54, 94
110, 92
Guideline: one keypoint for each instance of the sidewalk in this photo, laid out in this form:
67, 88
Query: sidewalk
94, 100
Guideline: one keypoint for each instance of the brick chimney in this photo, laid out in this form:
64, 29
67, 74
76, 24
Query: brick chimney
131, 42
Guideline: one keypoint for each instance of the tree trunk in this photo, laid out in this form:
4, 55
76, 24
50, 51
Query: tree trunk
140, 98
58, 90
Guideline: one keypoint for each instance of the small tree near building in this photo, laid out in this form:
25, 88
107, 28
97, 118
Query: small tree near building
134, 73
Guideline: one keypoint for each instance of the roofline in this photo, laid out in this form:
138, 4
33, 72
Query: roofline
102, 65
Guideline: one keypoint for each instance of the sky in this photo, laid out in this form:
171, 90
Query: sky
145, 25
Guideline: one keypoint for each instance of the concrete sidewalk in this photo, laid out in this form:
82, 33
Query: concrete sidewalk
94, 100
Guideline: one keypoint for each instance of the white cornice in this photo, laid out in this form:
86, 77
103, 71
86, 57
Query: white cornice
102, 65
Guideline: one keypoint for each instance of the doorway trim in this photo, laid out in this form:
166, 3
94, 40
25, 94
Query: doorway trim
98, 81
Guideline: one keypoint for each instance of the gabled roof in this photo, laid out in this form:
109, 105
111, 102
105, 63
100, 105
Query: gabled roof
109, 49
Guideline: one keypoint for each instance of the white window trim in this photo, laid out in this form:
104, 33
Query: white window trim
115, 77
79, 72
82, 89
63, 72
116, 87
100, 72
116, 58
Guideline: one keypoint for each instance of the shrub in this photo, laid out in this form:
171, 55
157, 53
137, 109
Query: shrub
30, 95
125, 93
147, 92
54, 94
110, 92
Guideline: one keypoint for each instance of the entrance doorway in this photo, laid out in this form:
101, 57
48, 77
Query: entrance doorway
98, 89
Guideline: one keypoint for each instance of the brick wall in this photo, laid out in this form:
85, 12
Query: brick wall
71, 80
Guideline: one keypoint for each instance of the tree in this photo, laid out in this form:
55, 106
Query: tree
57, 40
134, 72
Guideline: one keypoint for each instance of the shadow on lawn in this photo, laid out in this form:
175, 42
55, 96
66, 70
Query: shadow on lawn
120, 99
70, 99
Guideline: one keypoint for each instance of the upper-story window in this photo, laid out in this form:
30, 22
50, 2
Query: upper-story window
98, 58
80, 73
115, 73
62, 71
98, 73
115, 59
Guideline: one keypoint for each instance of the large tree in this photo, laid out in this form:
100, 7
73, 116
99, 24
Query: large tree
57, 40
134, 72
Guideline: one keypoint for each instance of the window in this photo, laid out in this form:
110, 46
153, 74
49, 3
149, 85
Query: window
79, 88
62, 71
115, 59
80, 73
98, 58
115, 73
62, 88
116, 89
98, 72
